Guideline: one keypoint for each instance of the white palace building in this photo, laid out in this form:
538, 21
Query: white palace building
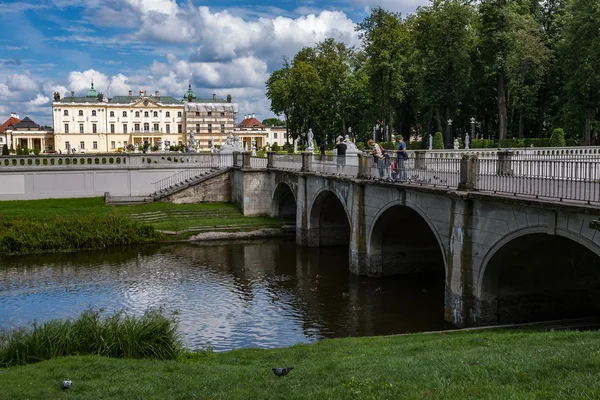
95, 124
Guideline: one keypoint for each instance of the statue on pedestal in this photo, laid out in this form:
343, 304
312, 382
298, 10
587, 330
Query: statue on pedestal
467, 141
455, 144
429, 141
254, 148
295, 146
191, 142
350, 146
310, 145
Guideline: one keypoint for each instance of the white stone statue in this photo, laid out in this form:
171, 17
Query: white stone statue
230, 147
455, 144
254, 148
350, 146
295, 146
467, 141
310, 145
429, 141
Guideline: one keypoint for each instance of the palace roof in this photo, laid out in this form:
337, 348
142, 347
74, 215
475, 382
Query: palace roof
26, 124
9, 122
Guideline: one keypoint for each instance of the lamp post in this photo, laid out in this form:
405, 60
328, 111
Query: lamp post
449, 135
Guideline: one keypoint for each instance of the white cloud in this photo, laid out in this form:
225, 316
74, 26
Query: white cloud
39, 100
21, 82
403, 6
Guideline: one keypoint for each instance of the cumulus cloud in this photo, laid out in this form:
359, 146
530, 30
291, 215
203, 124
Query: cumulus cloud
39, 100
12, 62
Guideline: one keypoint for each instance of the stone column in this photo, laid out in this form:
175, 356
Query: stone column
420, 162
504, 167
270, 159
468, 172
306, 161
246, 159
364, 166
235, 158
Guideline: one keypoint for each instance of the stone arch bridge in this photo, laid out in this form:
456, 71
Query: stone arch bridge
502, 258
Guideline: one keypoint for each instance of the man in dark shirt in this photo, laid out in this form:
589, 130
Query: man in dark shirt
341, 155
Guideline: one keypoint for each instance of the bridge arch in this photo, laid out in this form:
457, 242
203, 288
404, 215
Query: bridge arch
283, 201
531, 275
403, 240
329, 222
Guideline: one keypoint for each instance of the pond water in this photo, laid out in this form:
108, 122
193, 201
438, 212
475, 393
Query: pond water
229, 295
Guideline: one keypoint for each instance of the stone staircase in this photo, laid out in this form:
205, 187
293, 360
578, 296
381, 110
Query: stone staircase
178, 185
126, 200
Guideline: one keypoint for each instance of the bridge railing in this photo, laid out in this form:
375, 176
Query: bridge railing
287, 161
587, 153
559, 179
335, 165
258, 162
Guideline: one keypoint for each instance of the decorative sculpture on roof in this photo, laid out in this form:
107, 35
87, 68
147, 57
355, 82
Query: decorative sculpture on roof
229, 98
100, 97
56, 96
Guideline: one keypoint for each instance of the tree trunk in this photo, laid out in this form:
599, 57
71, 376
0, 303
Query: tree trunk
502, 113
438, 119
520, 124
587, 132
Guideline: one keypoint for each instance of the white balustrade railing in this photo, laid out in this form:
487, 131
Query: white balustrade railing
287, 161
335, 165
258, 162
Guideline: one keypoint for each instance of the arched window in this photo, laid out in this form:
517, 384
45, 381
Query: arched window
179, 113
124, 113
167, 114
112, 113
146, 127
93, 113
145, 113
137, 113
80, 113
156, 113
66, 112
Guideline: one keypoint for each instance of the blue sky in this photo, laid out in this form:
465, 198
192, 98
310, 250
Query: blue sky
221, 46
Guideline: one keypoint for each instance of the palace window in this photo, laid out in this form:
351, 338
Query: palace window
66, 128
124, 113
112, 145
222, 128
222, 114
80, 113
179, 129
146, 127
94, 130
155, 127
274, 135
137, 113
124, 143
197, 128
67, 145
137, 127
112, 113
178, 113
80, 128
209, 113
112, 128
124, 128
145, 113
197, 113
168, 128
66, 112
156, 113
209, 128
167, 114
93, 113
95, 145
82, 145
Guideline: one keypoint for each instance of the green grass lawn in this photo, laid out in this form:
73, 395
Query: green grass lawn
57, 212
464, 365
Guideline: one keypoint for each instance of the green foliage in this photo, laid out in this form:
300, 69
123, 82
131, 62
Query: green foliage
5, 151
154, 148
36, 151
275, 147
152, 335
273, 122
558, 138
18, 235
438, 141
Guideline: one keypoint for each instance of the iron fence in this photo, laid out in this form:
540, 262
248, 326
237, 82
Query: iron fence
559, 179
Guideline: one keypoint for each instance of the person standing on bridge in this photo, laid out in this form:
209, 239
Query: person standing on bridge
341, 155
402, 155
378, 156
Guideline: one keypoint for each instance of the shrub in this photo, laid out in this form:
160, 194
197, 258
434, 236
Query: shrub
36, 151
557, 139
438, 141
5, 150
152, 335
275, 147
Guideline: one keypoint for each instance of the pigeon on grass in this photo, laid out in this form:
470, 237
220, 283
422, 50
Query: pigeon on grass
66, 384
282, 371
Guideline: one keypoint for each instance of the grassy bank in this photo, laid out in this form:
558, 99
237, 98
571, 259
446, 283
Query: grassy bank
71, 224
465, 365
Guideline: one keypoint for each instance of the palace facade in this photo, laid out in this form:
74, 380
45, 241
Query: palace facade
94, 124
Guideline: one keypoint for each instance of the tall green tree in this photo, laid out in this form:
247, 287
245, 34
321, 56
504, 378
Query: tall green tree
580, 60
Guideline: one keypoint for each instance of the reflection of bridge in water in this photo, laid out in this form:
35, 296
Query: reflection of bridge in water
485, 224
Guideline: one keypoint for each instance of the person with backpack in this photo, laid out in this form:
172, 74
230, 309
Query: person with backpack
402, 155
378, 156
340, 155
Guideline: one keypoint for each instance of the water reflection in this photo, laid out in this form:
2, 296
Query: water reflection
229, 295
